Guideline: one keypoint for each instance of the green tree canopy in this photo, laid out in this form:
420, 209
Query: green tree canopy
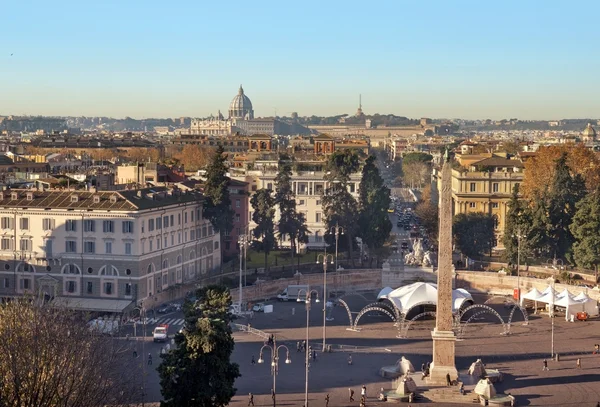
217, 203
416, 157
586, 231
374, 201
473, 233
518, 225
263, 213
340, 165
198, 372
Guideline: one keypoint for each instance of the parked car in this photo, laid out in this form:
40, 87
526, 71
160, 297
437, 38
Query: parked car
259, 307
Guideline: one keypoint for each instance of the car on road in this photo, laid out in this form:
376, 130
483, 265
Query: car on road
160, 333
404, 246
259, 307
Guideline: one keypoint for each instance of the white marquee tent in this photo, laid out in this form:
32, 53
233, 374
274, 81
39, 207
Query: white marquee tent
564, 299
407, 297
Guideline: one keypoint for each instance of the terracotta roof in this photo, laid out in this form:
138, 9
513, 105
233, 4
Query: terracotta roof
498, 162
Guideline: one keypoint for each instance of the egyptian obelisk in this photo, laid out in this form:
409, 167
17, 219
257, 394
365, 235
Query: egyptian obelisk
443, 335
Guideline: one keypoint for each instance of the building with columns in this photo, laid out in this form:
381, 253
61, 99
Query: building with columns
485, 185
107, 250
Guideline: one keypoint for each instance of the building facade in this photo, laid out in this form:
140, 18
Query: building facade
103, 246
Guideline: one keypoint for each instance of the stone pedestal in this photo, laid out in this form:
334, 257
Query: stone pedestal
443, 358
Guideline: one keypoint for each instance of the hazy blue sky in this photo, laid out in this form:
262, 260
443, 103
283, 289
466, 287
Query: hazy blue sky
471, 59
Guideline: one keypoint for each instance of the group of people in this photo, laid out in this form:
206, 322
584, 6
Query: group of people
425, 370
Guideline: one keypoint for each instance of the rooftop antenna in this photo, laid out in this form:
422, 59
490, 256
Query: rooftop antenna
360, 101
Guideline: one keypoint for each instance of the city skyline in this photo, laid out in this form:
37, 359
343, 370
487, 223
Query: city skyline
472, 61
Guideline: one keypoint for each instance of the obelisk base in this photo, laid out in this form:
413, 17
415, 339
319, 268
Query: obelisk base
443, 358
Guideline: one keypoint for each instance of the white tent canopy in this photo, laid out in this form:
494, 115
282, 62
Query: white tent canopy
571, 306
581, 297
407, 297
532, 295
563, 293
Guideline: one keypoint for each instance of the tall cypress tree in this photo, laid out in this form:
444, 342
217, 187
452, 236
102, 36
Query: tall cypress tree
518, 223
586, 231
292, 224
263, 212
374, 201
217, 203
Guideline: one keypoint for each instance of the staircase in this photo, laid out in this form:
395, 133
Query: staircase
450, 395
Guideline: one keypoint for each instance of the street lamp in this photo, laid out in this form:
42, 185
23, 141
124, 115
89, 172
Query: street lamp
336, 231
142, 311
308, 296
519, 236
555, 262
243, 242
275, 362
324, 258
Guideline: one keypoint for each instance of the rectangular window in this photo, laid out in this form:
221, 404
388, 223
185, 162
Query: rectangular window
24, 284
216, 245
127, 248
127, 226
158, 223
90, 287
89, 225
318, 202
6, 222
6, 283
108, 247
71, 246
171, 221
89, 247
198, 214
150, 225
185, 237
237, 217
166, 221
127, 288
24, 223
318, 217
302, 202
143, 225
25, 245
5, 244
71, 286
237, 203
48, 247
108, 226
495, 187
179, 238
473, 187
471, 204
193, 234
185, 218
165, 242
158, 244
150, 242
108, 288
494, 205
192, 215
71, 225
179, 219
47, 224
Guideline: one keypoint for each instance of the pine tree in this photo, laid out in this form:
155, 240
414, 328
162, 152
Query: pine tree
518, 223
374, 201
198, 372
473, 233
586, 231
263, 213
217, 204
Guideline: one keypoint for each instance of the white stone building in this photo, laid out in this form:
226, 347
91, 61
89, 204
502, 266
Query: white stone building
112, 248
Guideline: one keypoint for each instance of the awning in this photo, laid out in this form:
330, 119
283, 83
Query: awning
92, 304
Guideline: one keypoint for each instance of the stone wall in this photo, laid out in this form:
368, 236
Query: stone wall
343, 281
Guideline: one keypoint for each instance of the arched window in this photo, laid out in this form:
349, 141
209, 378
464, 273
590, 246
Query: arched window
165, 264
179, 259
150, 268
204, 251
109, 271
71, 269
25, 268
192, 255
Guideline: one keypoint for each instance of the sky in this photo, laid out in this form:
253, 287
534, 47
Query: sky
441, 59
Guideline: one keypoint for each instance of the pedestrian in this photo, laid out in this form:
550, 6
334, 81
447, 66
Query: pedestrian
461, 388
304, 346
545, 363
448, 381
349, 359
351, 394
363, 391
250, 399
327, 400
427, 366
149, 358
298, 346
423, 367
314, 356
293, 311
253, 362
578, 363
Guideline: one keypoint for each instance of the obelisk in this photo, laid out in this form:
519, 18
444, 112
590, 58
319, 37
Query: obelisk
443, 335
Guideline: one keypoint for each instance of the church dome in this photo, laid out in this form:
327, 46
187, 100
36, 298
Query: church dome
241, 106
589, 131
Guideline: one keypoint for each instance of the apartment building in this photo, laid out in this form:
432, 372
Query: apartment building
107, 250
485, 185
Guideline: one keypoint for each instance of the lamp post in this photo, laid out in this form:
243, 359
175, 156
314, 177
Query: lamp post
242, 242
324, 258
519, 237
307, 299
275, 362
336, 231
142, 311
555, 262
